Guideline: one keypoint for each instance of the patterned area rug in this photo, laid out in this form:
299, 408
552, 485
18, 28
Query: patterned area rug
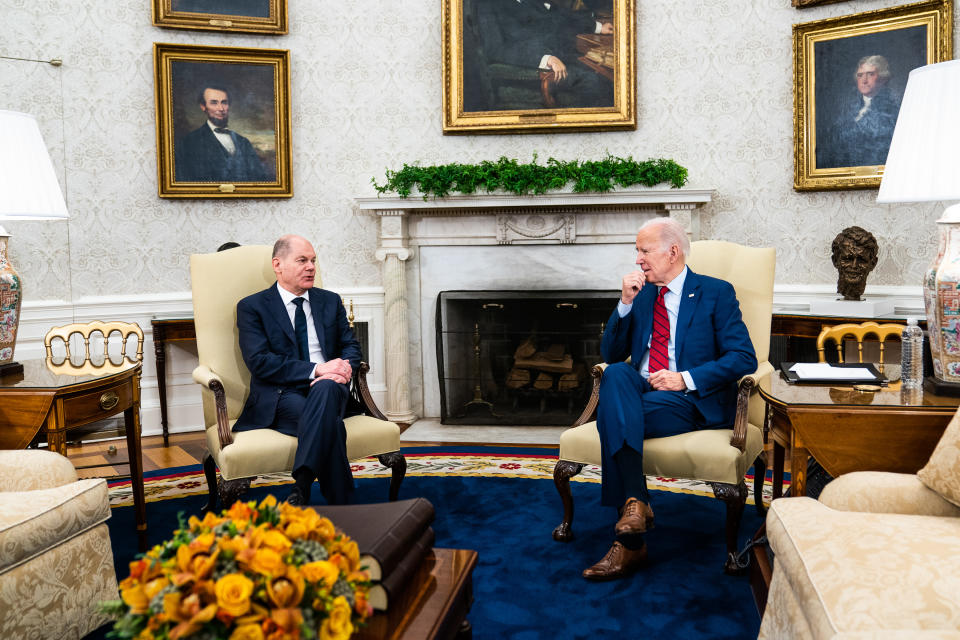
484, 462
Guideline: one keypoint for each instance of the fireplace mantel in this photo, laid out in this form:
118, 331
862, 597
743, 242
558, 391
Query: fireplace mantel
556, 218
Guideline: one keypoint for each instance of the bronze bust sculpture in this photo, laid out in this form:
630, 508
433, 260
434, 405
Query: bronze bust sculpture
854, 255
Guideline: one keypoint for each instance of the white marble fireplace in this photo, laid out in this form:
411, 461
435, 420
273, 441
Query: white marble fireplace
498, 242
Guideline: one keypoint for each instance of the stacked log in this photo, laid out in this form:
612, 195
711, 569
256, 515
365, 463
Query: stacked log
551, 368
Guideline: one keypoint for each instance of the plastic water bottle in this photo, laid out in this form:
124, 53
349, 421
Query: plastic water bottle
911, 356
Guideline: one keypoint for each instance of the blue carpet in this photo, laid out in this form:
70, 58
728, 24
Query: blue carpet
526, 586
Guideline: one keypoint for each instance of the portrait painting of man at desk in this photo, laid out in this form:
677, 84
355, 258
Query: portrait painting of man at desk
528, 57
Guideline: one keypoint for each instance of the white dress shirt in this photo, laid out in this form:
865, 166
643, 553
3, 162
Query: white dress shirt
671, 300
225, 139
313, 342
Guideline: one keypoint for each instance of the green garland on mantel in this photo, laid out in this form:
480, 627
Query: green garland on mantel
522, 179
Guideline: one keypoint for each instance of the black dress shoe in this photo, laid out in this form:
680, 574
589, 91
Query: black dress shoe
618, 563
296, 497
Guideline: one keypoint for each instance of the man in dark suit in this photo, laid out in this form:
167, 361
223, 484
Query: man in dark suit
537, 34
301, 353
213, 152
688, 347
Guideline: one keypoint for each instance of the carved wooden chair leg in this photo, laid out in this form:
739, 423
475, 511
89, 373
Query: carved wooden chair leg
760, 475
561, 479
735, 496
210, 471
231, 490
398, 465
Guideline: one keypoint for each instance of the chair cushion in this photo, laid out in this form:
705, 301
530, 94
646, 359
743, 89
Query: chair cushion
262, 451
858, 573
942, 471
704, 455
32, 522
29, 469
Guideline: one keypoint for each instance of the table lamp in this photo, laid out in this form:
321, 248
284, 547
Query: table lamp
28, 191
923, 164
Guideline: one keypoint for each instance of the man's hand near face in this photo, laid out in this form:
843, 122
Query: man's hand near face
632, 283
338, 370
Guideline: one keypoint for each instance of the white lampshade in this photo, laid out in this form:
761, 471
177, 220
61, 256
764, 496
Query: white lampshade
28, 183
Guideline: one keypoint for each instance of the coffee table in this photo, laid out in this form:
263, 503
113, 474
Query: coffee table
849, 430
435, 603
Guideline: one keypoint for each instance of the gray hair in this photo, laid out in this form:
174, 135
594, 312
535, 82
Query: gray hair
878, 62
282, 246
671, 233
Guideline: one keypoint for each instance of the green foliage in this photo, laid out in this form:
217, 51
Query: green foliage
522, 179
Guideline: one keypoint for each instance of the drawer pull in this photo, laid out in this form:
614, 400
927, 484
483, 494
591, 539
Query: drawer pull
109, 400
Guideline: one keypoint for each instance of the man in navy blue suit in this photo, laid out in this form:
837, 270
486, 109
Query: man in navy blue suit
688, 347
301, 353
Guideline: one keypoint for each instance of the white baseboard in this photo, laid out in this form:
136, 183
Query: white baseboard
184, 404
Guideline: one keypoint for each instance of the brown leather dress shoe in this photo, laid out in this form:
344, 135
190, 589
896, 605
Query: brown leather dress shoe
637, 517
618, 563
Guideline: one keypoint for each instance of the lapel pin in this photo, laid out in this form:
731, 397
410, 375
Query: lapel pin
690, 296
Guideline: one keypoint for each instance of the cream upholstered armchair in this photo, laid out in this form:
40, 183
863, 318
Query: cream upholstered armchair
56, 563
877, 556
219, 281
720, 457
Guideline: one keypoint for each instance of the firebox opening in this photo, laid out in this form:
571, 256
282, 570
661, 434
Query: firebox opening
518, 357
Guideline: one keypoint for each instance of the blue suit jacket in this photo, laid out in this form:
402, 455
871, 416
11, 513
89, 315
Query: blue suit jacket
711, 342
270, 352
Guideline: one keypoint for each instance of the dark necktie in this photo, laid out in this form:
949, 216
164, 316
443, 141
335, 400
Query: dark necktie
300, 329
661, 335
221, 130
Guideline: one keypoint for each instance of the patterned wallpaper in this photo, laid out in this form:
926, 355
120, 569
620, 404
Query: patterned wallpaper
715, 94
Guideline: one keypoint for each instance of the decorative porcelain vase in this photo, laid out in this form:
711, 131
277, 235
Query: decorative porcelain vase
941, 297
10, 296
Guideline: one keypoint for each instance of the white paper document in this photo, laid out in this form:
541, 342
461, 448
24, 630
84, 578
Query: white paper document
826, 371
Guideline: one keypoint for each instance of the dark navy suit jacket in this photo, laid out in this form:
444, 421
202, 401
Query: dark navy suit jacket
711, 342
199, 157
270, 352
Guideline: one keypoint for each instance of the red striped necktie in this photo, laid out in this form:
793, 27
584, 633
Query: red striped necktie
661, 335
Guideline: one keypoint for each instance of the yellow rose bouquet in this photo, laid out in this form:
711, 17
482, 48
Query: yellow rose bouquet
256, 572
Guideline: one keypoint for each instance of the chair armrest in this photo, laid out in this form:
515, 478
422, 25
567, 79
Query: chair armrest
885, 492
32, 469
205, 376
591, 409
745, 389
362, 391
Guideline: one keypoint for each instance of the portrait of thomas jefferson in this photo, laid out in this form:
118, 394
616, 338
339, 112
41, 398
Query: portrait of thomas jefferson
858, 85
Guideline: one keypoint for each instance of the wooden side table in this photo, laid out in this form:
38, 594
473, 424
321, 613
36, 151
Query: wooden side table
168, 330
434, 605
40, 399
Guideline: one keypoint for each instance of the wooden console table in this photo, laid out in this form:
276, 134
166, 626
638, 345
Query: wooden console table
435, 603
848, 430
41, 399
168, 330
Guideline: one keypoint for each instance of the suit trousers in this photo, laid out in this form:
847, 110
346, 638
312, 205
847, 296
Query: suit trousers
629, 411
315, 416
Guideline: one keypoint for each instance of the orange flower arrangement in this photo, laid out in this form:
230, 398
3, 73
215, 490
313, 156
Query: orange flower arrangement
256, 572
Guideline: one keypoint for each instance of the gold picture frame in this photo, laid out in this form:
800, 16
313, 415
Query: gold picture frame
241, 16
492, 57
840, 139
223, 122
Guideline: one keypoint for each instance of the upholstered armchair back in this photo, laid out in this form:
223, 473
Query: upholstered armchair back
750, 271
220, 280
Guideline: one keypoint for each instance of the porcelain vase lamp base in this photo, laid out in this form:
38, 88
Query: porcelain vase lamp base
11, 294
